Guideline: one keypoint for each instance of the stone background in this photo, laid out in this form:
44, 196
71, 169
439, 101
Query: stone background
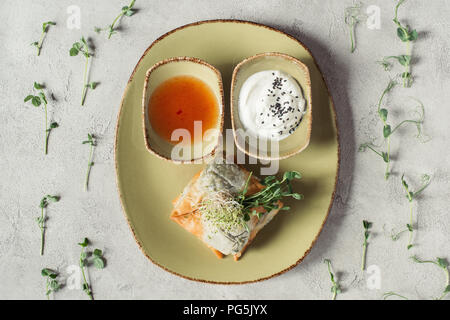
355, 81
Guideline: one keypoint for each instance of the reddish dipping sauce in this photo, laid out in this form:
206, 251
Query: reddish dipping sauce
178, 102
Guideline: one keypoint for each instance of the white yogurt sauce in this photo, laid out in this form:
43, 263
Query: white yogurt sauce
271, 104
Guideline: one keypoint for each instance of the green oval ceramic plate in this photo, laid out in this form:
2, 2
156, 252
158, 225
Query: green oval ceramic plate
147, 185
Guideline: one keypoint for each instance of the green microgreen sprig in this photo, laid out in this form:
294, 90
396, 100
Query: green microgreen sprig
45, 27
42, 218
83, 47
92, 143
37, 100
51, 284
388, 131
268, 197
97, 259
352, 17
228, 212
404, 60
127, 11
443, 264
367, 225
335, 287
386, 295
411, 195
407, 36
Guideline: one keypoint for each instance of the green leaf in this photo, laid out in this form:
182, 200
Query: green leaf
409, 246
29, 97
54, 285
447, 289
413, 35
97, 253
402, 33
404, 60
129, 13
46, 24
387, 131
367, 224
36, 101
53, 275
404, 182
442, 263
99, 263
383, 113
43, 202
291, 175
92, 85
267, 180
53, 198
410, 228
297, 196
38, 86
246, 217
84, 243
385, 156
73, 51
285, 208
54, 125
45, 272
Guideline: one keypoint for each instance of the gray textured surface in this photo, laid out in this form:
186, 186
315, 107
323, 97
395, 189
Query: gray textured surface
355, 82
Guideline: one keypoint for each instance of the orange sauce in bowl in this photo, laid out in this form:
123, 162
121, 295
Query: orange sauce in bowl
178, 102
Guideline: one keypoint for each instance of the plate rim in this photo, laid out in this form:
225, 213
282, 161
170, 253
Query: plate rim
256, 24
